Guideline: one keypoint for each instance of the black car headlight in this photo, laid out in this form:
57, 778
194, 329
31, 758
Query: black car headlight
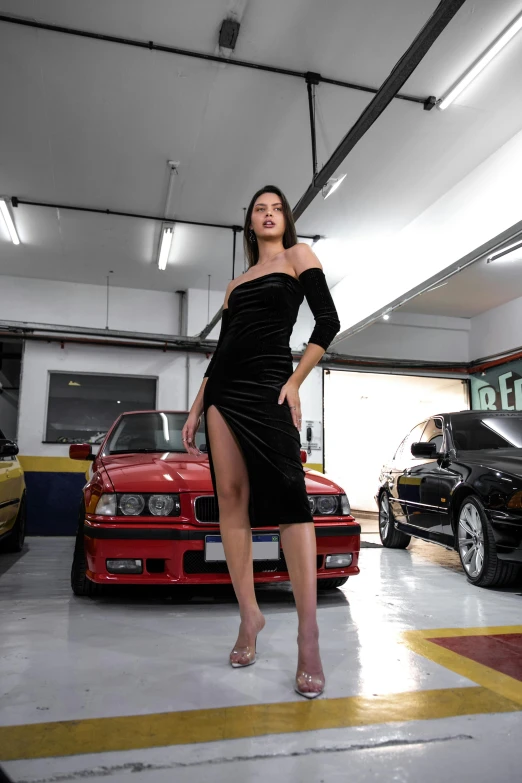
329, 505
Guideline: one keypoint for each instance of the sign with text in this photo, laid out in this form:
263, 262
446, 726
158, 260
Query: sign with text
498, 389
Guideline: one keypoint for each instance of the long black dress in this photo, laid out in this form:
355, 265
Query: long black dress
251, 363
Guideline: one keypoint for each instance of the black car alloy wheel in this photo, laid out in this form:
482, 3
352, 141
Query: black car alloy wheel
471, 540
390, 537
477, 550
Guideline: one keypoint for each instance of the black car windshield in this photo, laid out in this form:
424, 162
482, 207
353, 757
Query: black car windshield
487, 432
151, 432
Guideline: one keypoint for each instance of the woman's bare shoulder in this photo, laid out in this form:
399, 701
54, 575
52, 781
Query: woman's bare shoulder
301, 257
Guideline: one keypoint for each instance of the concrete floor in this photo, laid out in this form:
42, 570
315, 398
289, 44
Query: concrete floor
396, 707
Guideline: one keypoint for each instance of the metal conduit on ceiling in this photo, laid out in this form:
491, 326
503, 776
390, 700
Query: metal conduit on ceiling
389, 90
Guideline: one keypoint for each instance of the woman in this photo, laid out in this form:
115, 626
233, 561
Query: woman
250, 397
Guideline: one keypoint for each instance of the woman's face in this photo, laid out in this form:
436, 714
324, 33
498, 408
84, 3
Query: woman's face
268, 219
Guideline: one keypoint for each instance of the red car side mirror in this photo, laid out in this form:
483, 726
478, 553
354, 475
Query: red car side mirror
81, 451
303, 455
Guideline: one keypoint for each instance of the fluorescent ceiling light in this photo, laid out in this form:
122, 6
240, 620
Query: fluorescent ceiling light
435, 288
167, 235
4, 210
507, 254
482, 61
332, 185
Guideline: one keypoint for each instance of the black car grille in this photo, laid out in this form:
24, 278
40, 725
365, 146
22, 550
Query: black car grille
194, 563
206, 509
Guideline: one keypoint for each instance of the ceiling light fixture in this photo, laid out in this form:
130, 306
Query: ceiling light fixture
435, 287
506, 252
9, 223
332, 185
167, 235
386, 315
479, 65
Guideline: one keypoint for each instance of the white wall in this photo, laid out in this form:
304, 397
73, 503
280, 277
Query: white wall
42, 358
482, 205
366, 417
497, 330
74, 304
199, 312
412, 336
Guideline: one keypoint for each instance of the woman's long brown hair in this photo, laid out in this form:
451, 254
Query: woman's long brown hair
289, 237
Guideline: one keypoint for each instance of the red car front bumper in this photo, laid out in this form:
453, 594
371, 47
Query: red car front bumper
174, 554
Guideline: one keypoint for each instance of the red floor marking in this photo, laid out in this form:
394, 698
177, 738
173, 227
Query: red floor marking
502, 652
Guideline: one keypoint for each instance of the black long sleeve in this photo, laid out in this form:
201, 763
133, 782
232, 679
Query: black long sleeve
224, 324
321, 304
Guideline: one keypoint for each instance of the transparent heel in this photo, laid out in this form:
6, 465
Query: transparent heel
309, 685
247, 654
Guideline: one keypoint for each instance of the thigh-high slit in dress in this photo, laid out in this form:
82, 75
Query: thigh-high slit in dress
251, 363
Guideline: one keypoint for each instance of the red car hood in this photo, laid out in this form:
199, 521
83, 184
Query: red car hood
181, 473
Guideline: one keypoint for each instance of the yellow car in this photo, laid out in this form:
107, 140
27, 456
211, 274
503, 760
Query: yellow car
12, 497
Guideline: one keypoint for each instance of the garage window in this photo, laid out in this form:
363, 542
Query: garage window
82, 407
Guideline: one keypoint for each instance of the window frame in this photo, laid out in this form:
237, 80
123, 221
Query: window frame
443, 448
132, 376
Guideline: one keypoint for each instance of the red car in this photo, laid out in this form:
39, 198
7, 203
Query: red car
149, 515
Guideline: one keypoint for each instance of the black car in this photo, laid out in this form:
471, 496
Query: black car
456, 480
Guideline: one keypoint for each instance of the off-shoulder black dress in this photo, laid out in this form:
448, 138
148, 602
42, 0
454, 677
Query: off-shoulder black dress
251, 363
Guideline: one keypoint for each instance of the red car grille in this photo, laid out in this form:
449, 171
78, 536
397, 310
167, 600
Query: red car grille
194, 563
206, 509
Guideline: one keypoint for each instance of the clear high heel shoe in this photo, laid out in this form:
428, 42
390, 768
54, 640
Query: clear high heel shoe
314, 681
248, 652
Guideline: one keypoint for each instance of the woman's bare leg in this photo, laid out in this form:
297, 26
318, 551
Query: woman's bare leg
299, 546
233, 493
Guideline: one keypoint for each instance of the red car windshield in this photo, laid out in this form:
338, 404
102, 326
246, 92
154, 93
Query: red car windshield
150, 432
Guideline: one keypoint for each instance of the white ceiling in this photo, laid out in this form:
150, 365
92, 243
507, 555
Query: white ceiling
471, 292
93, 123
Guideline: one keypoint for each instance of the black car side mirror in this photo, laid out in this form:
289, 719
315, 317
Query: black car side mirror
425, 450
8, 448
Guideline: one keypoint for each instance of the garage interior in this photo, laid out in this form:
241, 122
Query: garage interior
128, 121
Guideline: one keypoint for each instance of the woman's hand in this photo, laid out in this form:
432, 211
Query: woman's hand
290, 393
188, 434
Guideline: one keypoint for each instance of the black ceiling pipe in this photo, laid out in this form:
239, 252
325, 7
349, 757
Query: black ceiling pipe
437, 23
117, 39
15, 201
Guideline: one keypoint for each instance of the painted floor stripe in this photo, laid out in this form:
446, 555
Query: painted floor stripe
423, 643
99, 735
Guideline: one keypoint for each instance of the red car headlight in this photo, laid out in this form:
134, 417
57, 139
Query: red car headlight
329, 505
163, 505
107, 505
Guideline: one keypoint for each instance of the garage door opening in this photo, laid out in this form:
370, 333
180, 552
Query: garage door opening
10, 370
366, 415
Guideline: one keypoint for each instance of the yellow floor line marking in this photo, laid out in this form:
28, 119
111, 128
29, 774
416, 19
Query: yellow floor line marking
490, 630
502, 684
99, 735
